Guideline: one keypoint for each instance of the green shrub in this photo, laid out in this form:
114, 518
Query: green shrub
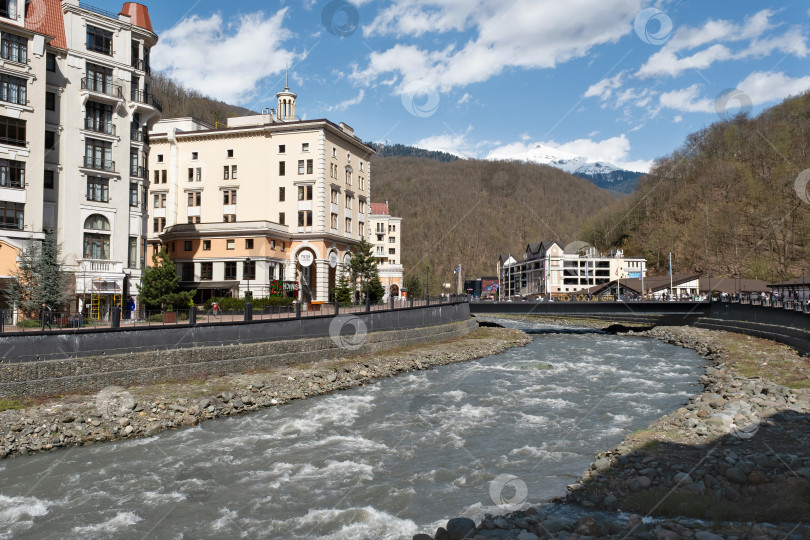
30, 323
238, 304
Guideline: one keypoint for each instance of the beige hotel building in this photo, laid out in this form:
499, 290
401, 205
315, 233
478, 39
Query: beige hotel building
386, 232
269, 199
75, 110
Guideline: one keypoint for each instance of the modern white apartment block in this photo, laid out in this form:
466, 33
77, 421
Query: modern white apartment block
385, 237
81, 96
268, 202
548, 268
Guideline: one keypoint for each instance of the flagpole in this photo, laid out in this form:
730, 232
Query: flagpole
671, 292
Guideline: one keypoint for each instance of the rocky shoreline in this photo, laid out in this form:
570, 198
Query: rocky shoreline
124, 413
736, 456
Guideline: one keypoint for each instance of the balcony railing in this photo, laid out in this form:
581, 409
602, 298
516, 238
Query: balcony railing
13, 142
147, 99
98, 10
98, 265
99, 126
138, 172
140, 65
99, 164
11, 182
138, 135
94, 85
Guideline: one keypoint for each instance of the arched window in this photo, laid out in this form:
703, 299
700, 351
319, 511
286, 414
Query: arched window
97, 237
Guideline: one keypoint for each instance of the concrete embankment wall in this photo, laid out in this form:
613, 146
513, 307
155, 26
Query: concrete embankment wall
150, 357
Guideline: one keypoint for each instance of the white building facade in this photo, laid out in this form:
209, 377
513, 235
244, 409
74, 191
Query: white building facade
385, 234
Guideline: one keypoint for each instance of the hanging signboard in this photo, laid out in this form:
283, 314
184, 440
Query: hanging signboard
333, 259
305, 258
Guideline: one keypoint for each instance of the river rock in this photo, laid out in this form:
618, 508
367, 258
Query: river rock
458, 528
422, 537
638, 483
556, 524
526, 535
706, 535
737, 475
590, 526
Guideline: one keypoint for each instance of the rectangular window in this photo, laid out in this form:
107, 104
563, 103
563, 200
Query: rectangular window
309, 166
230, 244
304, 193
272, 244
195, 156
334, 196
50, 62
362, 206
282, 148
99, 40
187, 272
157, 177
334, 221
49, 179
233, 172
194, 198
305, 147
281, 194
249, 270
281, 218
392, 240
12, 131
207, 270
158, 224
50, 101
193, 219
14, 48
50, 140
229, 218
206, 245
248, 243
230, 270
349, 200
229, 196
13, 89
98, 189
12, 173
282, 168
160, 200
11, 215
199, 174
133, 195
349, 225
361, 166
225, 172
163, 177
229, 152
98, 155
301, 166
305, 218
132, 252
98, 117
100, 79
334, 152
392, 251
160, 158
361, 229
190, 174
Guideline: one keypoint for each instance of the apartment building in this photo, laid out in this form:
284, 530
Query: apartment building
270, 203
385, 235
548, 268
83, 101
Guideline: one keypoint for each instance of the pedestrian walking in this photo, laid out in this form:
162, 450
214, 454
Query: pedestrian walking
45, 316
215, 310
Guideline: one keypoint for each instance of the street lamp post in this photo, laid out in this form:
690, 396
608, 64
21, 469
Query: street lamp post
248, 306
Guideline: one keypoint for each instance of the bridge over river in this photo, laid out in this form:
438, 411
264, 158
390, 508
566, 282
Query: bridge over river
788, 323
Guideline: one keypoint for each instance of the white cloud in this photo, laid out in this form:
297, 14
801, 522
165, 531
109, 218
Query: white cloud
522, 34
343, 105
686, 100
677, 119
465, 98
766, 86
225, 60
604, 88
453, 143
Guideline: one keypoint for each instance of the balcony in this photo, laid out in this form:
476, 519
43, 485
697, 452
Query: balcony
99, 126
97, 265
99, 87
147, 99
11, 182
138, 172
140, 65
139, 135
13, 142
99, 164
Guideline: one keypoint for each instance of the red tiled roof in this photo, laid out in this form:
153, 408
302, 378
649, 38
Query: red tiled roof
45, 17
380, 209
138, 15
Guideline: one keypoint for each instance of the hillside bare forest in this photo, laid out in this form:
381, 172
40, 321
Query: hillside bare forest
179, 102
725, 203
470, 211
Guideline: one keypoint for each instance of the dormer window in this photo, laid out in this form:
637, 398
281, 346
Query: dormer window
8, 9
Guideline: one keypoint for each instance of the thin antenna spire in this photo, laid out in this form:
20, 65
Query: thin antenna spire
287, 77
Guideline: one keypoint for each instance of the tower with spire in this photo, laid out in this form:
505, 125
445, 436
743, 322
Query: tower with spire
286, 102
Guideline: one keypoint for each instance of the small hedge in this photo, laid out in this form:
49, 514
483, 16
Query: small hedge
238, 304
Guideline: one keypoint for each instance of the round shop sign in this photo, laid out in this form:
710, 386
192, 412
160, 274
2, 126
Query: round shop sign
333, 259
305, 258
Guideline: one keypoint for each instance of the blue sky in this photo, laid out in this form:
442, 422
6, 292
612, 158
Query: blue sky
622, 81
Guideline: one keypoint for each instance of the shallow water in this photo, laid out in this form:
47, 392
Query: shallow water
383, 461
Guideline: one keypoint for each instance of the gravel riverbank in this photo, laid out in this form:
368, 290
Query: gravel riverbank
733, 462
123, 413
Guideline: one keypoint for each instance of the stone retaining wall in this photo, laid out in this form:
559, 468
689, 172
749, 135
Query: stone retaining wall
88, 374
